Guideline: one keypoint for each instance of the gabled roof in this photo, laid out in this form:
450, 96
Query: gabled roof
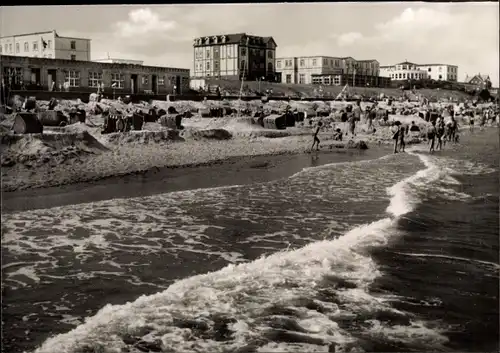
370, 60
236, 38
406, 63
481, 77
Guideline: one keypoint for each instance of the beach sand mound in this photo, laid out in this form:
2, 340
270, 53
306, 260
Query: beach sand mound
141, 137
208, 134
36, 149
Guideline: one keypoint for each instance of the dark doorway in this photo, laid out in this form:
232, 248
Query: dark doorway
154, 84
51, 79
133, 83
35, 76
178, 84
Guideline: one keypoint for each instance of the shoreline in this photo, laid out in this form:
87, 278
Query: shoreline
133, 159
233, 170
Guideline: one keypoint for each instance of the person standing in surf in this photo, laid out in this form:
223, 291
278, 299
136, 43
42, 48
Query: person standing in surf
402, 132
396, 131
471, 121
431, 135
316, 139
440, 136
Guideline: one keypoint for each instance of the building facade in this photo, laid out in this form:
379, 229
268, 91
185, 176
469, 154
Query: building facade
328, 70
480, 81
46, 45
411, 71
87, 76
234, 56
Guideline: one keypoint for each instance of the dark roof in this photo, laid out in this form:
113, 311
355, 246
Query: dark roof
236, 38
370, 60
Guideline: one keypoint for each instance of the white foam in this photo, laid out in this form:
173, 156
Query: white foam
243, 291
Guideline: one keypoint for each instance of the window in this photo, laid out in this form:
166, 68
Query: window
73, 45
10, 48
278, 64
440, 77
49, 44
429, 69
229, 51
208, 53
404, 75
14, 74
411, 75
302, 78
26, 47
73, 78
336, 80
314, 62
270, 54
243, 51
288, 78
95, 79
6, 48
73, 57
405, 67
161, 80
325, 61
118, 80
399, 76
327, 80
302, 62
18, 49
270, 67
316, 80
288, 63
331, 62
35, 46
216, 66
208, 65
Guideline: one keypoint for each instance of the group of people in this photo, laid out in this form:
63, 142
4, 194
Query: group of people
440, 132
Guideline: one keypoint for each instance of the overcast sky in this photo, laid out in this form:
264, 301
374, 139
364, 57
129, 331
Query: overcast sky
450, 33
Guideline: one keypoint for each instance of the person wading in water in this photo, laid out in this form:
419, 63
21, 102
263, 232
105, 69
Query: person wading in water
431, 135
316, 139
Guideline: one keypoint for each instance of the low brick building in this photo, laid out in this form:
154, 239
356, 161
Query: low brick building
86, 76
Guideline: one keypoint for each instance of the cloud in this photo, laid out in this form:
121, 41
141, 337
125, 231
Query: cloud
143, 22
348, 38
465, 36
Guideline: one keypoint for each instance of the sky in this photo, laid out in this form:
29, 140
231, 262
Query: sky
462, 34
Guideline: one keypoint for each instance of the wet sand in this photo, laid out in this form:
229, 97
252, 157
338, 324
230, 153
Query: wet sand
233, 171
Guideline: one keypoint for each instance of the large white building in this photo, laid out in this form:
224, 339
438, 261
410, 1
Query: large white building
46, 45
411, 71
324, 70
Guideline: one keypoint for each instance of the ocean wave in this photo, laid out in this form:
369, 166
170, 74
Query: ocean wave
310, 299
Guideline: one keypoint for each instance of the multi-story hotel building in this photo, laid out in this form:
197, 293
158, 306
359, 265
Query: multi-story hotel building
46, 45
86, 76
234, 56
411, 71
328, 70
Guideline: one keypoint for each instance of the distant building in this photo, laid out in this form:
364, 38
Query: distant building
480, 81
234, 56
328, 70
86, 76
120, 61
46, 45
411, 71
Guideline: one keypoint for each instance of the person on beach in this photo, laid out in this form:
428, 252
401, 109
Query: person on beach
431, 135
453, 129
316, 139
337, 136
396, 131
440, 136
352, 124
471, 121
402, 132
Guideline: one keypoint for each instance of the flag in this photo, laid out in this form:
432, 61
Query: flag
44, 43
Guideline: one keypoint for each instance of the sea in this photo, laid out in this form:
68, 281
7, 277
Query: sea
398, 253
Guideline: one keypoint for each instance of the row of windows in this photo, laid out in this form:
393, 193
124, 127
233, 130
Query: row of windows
411, 76
243, 51
45, 45
333, 62
199, 66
